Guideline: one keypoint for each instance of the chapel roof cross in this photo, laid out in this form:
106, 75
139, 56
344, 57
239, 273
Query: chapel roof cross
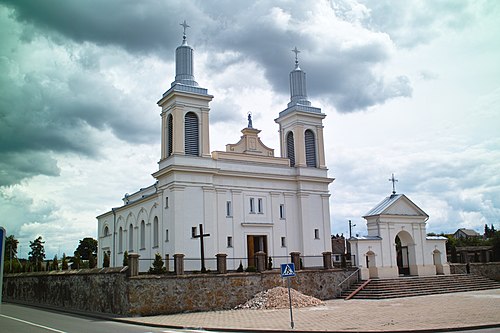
393, 180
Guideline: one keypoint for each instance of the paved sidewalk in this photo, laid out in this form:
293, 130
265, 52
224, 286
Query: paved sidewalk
435, 312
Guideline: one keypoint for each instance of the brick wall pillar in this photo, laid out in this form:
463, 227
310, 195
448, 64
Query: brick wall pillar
261, 261
179, 264
327, 260
221, 263
295, 256
133, 264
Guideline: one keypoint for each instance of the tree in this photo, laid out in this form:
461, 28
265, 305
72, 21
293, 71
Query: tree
87, 248
11, 246
92, 261
105, 260
64, 264
76, 261
55, 264
37, 253
157, 265
125, 258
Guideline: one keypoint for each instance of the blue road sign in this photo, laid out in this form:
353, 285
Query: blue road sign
287, 270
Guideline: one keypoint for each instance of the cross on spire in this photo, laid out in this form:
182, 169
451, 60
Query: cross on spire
185, 26
296, 51
393, 180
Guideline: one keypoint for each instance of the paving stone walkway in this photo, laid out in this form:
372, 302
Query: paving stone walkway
466, 309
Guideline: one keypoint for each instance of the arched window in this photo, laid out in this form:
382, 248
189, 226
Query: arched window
143, 235
131, 238
191, 132
120, 240
310, 143
170, 135
290, 148
106, 231
155, 231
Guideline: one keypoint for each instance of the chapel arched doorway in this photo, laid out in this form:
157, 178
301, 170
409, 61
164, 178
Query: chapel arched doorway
404, 252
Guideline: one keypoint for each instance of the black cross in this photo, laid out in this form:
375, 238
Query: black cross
202, 247
393, 180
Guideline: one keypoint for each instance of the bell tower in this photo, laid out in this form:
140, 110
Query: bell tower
301, 125
185, 109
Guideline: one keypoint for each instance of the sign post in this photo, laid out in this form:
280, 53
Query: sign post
288, 271
2, 256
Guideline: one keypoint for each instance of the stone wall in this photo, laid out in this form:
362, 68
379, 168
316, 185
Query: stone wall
92, 290
111, 291
149, 295
489, 269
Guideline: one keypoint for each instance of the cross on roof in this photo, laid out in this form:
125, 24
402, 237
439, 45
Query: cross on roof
393, 180
296, 51
185, 26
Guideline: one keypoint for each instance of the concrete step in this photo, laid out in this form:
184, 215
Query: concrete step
418, 286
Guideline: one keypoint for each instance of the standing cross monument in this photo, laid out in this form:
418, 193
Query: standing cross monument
202, 247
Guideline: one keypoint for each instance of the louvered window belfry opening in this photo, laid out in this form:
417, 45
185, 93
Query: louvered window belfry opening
310, 149
191, 146
170, 129
290, 148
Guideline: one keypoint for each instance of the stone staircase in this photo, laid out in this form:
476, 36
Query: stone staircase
419, 286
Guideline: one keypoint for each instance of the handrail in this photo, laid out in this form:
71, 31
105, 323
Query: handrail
347, 278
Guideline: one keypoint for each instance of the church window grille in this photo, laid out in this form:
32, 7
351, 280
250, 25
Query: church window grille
229, 209
120, 240
193, 232
131, 238
282, 211
106, 231
229, 241
143, 235
170, 134
166, 202
166, 235
252, 205
260, 206
290, 148
191, 139
310, 144
283, 241
316, 233
155, 231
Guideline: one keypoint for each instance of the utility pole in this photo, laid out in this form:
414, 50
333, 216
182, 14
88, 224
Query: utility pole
350, 228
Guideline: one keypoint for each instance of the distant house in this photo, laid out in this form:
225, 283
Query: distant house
466, 233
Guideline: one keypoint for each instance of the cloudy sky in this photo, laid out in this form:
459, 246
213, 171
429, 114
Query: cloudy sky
408, 87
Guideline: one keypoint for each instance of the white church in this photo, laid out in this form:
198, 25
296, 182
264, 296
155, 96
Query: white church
246, 198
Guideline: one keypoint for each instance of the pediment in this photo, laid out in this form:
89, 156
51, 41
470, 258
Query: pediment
396, 204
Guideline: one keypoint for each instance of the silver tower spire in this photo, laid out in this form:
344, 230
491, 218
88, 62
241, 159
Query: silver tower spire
298, 93
184, 73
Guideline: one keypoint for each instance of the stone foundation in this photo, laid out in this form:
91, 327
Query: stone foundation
109, 290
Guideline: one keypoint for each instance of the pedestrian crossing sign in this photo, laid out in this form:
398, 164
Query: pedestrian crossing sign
287, 270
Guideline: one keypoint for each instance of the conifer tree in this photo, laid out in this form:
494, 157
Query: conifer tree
105, 260
157, 265
125, 258
64, 264
55, 264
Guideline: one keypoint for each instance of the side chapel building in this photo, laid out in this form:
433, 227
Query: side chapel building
246, 198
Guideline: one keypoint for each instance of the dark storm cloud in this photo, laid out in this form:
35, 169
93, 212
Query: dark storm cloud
134, 25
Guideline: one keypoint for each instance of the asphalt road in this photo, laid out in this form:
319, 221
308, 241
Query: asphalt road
20, 319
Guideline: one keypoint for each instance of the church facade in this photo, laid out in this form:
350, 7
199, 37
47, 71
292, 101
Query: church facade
245, 198
397, 243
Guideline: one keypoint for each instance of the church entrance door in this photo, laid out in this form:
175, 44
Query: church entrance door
402, 258
255, 243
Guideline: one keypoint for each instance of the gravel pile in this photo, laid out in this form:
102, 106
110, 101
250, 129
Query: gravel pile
277, 298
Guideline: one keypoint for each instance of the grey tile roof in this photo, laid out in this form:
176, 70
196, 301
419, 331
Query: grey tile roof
378, 209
